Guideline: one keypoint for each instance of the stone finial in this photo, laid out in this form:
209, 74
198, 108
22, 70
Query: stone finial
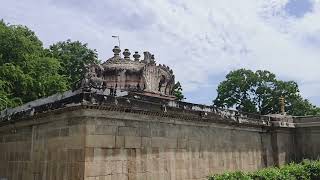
116, 50
136, 56
147, 57
126, 53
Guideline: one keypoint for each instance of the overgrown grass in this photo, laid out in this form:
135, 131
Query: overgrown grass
303, 171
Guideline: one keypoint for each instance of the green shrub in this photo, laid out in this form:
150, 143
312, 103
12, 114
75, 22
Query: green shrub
312, 168
267, 174
231, 176
295, 171
306, 170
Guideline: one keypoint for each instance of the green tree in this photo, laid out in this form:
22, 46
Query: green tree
25, 70
259, 92
238, 91
73, 56
177, 91
302, 107
4, 97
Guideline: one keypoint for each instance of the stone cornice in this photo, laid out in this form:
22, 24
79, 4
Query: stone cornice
140, 104
185, 116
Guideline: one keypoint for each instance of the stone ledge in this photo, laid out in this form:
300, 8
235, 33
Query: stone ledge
130, 102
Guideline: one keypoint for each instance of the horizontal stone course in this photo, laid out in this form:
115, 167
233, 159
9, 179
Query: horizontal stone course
104, 141
121, 146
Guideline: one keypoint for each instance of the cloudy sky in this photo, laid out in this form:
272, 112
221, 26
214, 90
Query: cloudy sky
201, 40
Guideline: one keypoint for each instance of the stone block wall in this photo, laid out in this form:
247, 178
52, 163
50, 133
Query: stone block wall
283, 146
43, 148
95, 144
308, 137
135, 146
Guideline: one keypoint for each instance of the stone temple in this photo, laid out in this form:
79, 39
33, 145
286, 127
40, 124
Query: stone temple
125, 74
123, 123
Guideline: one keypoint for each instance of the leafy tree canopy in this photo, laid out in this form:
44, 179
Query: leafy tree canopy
73, 56
259, 92
26, 73
177, 91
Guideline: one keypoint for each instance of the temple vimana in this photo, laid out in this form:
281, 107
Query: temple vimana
122, 122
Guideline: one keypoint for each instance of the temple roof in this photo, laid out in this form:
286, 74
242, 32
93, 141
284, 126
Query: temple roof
124, 73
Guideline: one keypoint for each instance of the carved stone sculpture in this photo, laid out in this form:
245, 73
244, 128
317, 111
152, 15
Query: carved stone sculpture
130, 75
93, 77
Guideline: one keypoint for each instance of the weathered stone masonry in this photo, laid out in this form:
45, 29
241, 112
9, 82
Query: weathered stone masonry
123, 123
91, 136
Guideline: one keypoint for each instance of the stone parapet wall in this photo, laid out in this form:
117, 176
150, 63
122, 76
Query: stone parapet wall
92, 142
91, 136
132, 102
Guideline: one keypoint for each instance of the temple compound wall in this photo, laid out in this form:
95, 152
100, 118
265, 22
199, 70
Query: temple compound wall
123, 123
93, 137
307, 136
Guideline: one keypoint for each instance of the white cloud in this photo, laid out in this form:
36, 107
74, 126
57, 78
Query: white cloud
198, 39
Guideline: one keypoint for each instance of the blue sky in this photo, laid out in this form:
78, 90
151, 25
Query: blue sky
200, 40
